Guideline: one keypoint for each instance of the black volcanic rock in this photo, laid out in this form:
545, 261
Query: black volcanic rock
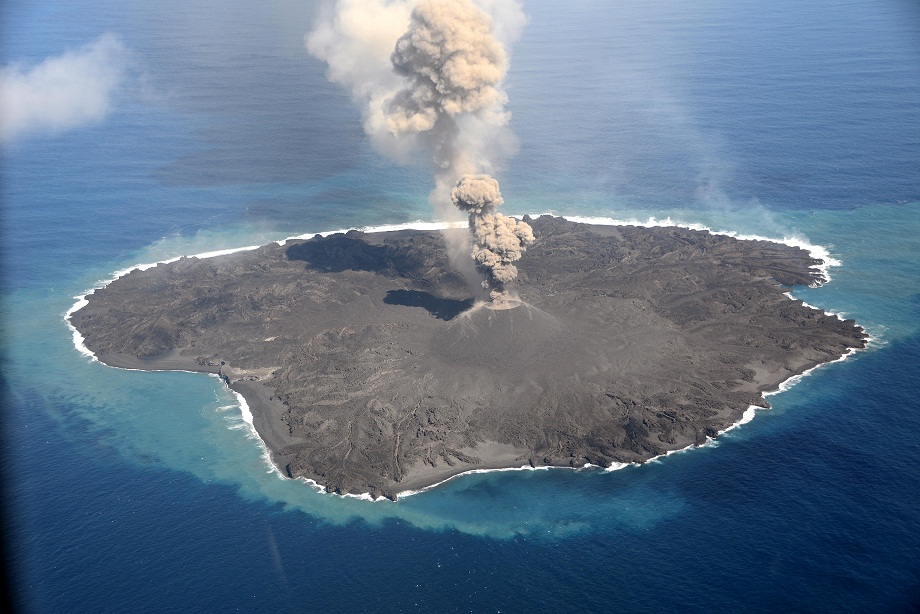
371, 367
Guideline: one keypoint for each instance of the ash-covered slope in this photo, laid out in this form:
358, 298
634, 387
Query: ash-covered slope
371, 368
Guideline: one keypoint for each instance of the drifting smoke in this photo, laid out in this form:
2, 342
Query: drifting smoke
497, 240
436, 90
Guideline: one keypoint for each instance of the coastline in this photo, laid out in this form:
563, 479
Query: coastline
164, 364
747, 416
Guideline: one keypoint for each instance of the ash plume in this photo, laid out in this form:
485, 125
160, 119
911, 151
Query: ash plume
498, 240
428, 75
454, 67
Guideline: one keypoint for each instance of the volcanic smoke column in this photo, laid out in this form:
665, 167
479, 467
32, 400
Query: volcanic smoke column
498, 241
454, 67
429, 76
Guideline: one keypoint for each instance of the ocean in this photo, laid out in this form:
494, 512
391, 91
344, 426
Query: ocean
147, 492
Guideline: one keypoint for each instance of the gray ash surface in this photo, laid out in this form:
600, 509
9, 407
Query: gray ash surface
371, 367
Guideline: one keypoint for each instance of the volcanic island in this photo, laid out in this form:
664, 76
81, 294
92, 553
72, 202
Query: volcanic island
371, 367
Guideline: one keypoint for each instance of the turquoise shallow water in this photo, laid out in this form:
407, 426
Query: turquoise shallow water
226, 134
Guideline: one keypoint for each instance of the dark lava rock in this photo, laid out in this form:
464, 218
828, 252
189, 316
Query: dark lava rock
371, 367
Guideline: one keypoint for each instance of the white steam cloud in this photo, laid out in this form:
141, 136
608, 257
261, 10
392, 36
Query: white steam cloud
428, 76
63, 92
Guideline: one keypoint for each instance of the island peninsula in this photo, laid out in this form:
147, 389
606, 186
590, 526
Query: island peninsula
371, 367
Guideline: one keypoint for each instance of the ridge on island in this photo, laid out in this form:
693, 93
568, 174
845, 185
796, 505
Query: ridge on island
370, 367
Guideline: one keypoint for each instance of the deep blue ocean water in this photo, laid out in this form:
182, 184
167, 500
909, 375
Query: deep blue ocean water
128, 491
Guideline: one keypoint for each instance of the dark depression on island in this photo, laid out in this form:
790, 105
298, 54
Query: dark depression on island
371, 366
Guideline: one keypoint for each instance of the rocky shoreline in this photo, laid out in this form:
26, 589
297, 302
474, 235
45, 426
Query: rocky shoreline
371, 367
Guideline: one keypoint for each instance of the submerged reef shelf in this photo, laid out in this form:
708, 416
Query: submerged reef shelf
371, 368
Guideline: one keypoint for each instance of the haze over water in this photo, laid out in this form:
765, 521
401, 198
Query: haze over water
132, 491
